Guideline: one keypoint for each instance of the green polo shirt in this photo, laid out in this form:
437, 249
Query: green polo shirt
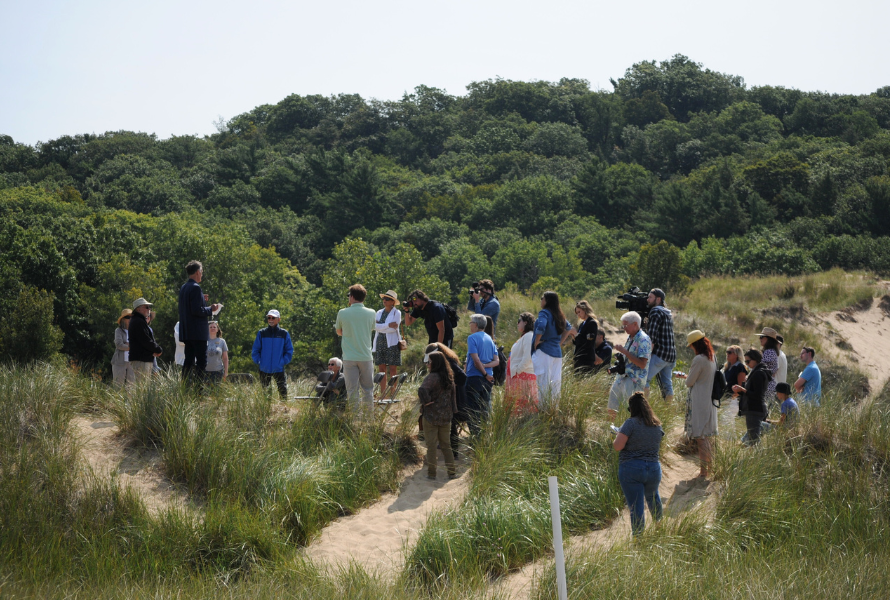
357, 323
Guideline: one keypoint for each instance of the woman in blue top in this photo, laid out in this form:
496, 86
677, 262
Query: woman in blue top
639, 470
550, 331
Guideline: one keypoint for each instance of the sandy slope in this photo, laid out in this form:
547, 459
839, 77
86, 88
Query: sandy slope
861, 336
105, 454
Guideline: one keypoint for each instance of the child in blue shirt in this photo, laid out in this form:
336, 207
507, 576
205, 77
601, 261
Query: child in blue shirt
790, 411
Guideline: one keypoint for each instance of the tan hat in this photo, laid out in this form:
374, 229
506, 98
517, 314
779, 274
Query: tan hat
124, 313
141, 302
694, 336
391, 294
769, 332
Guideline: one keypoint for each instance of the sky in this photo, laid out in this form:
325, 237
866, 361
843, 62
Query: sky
176, 68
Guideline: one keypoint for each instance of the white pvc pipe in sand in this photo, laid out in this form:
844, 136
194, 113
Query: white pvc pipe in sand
557, 539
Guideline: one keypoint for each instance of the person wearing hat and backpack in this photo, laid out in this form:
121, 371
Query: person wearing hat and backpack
143, 347
387, 353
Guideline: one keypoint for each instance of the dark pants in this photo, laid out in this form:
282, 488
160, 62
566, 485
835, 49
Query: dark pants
752, 422
280, 379
478, 402
195, 359
455, 437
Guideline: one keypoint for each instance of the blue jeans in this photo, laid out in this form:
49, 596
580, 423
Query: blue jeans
663, 370
639, 480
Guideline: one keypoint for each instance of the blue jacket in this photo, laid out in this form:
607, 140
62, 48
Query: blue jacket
272, 349
490, 308
193, 313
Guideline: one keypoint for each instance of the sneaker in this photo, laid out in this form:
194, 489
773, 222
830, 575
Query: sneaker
452, 476
433, 477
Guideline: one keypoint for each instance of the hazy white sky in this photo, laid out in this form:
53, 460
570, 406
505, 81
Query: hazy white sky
168, 67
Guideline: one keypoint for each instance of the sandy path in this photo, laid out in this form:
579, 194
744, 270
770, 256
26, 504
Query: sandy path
676, 496
376, 537
106, 455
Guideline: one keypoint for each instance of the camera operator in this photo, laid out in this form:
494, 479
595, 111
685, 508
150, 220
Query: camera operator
484, 302
438, 327
636, 350
660, 328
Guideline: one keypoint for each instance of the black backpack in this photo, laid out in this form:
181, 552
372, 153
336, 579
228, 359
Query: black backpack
500, 371
452, 315
719, 388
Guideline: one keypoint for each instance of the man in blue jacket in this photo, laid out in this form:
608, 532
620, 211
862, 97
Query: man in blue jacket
194, 315
272, 350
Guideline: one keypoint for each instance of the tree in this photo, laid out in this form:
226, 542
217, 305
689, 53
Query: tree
659, 266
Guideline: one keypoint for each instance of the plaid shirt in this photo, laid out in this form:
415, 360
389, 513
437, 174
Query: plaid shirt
661, 329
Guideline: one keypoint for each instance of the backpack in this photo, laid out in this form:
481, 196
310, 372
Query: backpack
718, 389
500, 371
451, 313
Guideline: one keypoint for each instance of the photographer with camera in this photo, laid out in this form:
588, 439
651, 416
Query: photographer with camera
632, 365
438, 325
484, 302
660, 329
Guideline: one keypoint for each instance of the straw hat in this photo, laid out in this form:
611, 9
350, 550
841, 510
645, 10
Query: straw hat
391, 294
769, 332
694, 336
124, 313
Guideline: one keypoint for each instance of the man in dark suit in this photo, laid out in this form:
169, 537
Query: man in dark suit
194, 315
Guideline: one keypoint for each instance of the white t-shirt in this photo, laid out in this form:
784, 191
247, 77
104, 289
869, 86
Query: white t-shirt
782, 372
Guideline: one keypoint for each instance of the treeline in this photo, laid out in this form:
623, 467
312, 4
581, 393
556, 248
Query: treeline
534, 184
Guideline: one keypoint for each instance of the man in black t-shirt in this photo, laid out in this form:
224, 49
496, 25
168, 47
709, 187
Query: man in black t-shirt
438, 326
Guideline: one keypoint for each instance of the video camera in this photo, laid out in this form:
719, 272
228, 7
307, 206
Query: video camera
634, 300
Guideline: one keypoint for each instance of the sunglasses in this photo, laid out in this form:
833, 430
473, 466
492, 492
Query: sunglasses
125, 318
270, 318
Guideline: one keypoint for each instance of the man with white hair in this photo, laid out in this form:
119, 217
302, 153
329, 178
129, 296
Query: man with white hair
482, 357
636, 351
337, 384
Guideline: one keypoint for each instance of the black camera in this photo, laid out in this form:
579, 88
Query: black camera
619, 367
634, 301
409, 304
473, 291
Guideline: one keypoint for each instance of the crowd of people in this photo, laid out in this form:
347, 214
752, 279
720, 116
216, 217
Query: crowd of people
455, 390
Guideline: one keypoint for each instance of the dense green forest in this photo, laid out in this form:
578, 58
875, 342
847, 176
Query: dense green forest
677, 172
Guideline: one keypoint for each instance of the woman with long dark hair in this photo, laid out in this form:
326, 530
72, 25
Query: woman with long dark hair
701, 414
639, 469
752, 395
438, 403
550, 332
460, 388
